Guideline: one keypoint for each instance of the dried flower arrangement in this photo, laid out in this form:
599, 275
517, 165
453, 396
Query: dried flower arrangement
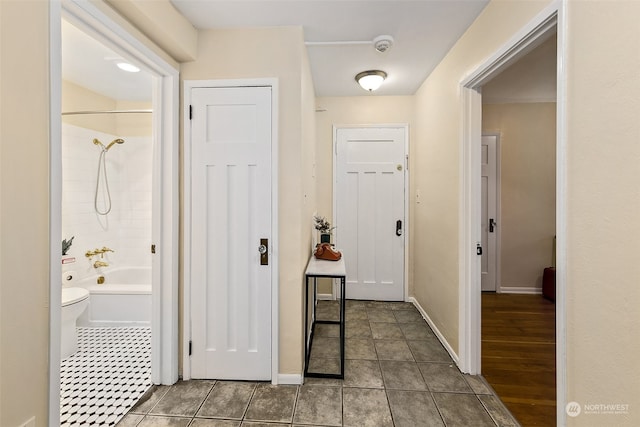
322, 225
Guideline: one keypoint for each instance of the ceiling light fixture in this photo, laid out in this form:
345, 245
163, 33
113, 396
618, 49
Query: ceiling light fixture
125, 66
371, 80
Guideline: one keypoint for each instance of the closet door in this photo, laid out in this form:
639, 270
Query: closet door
230, 233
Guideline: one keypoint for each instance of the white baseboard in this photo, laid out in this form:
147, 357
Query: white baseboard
436, 331
293, 379
325, 297
528, 290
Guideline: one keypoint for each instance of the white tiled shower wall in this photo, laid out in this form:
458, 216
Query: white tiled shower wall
127, 228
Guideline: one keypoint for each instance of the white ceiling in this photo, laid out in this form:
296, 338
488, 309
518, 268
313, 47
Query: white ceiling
531, 79
423, 30
90, 64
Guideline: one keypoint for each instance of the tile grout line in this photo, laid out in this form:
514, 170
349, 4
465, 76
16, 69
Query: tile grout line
488, 412
341, 384
433, 398
295, 403
246, 409
215, 382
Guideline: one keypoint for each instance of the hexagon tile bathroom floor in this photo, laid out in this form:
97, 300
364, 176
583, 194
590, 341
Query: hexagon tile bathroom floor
106, 377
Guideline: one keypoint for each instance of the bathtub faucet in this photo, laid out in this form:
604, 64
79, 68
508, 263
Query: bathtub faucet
97, 251
99, 264
103, 250
89, 254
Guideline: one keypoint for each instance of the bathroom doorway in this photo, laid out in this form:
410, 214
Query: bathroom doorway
114, 165
107, 197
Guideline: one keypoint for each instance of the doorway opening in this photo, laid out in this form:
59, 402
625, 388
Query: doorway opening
548, 23
106, 238
518, 323
106, 115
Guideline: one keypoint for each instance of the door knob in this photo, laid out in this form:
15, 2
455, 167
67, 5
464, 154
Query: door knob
262, 249
492, 224
399, 228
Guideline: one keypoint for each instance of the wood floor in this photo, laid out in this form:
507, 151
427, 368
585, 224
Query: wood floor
518, 355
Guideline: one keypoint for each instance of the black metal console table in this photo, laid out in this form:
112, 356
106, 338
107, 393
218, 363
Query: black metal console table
329, 269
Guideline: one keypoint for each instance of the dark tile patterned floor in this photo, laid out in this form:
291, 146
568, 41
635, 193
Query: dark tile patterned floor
396, 374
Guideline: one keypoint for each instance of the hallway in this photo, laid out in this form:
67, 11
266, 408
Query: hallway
396, 374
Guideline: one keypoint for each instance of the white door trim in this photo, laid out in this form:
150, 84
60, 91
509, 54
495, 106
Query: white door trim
406, 220
552, 18
164, 322
186, 229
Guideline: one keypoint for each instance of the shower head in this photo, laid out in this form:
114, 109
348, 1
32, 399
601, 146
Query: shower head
115, 141
96, 142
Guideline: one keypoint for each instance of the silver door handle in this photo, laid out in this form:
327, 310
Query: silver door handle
262, 249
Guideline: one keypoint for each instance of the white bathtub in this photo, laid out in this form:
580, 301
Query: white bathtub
124, 299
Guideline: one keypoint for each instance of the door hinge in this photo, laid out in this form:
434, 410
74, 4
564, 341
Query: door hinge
153, 248
190, 112
190, 347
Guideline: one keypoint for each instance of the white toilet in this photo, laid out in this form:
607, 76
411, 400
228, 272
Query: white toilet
74, 303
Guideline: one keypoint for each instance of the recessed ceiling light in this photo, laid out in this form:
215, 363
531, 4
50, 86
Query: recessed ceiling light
128, 67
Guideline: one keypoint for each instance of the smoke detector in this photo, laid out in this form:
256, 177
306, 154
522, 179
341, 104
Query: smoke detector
383, 43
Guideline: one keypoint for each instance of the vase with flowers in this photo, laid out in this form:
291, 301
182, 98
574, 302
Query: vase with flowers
324, 227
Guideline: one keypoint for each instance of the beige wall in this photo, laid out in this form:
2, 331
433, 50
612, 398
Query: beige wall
309, 153
24, 211
603, 185
528, 188
437, 160
153, 18
78, 98
532, 78
603, 234
134, 124
280, 53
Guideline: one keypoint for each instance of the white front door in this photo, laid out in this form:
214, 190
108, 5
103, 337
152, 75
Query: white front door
370, 210
231, 213
489, 159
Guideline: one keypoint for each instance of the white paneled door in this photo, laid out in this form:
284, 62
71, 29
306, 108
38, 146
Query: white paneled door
231, 218
370, 210
489, 214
